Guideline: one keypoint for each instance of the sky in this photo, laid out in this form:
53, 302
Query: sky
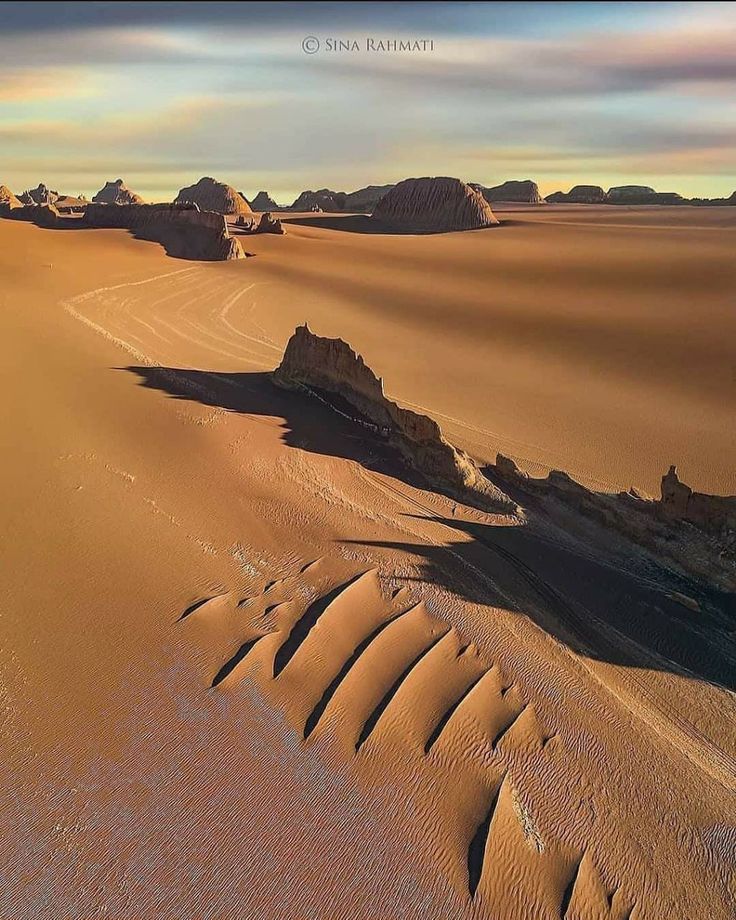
292, 96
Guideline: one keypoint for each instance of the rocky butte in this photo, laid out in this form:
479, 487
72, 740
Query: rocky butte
325, 366
322, 200
522, 190
210, 195
116, 193
434, 205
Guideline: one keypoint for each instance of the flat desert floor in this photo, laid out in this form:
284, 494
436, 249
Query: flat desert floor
250, 669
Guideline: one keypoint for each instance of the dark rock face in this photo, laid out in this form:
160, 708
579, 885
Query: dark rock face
39, 195
434, 205
116, 193
322, 200
711, 513
263, 202
314, 363
580, 194
522, 190
269, 224
210, 195
366, 199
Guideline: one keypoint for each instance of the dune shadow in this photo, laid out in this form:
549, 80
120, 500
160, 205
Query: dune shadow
364, 223
595, 606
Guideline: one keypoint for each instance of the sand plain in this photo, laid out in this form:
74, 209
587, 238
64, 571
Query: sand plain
250, 671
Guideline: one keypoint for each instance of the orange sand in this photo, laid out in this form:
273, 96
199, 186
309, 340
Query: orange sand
589, 767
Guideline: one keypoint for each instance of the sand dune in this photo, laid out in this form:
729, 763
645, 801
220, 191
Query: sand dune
252, 670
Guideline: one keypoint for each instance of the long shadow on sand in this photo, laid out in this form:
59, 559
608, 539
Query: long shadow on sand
361, 223
598, 609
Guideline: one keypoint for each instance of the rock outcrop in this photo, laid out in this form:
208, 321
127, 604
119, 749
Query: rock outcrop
522, 190
330, 368
8, 199
692, 529
184, 230
269, 224
210, 195
116, 193
642, 194
433, 205
366, 199
263, 202
39, 195
580, 194
322, 200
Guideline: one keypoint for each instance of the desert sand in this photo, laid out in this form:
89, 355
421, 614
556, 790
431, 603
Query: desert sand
251, 669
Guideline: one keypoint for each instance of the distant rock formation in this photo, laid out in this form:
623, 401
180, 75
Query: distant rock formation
210, 195
263, 202
366, 199
523, 190
116, 193
580, 194
642, 194
330, 366
8, 199
183, 230
695, 530
434, 205
322, 200
39, 195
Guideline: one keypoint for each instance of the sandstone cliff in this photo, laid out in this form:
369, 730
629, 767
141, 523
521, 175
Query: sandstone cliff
434, 205
522, 190
642, 194
210, 195
116, 193
263, 202
330, 366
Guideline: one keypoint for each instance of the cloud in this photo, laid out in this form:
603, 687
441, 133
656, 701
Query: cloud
34, 84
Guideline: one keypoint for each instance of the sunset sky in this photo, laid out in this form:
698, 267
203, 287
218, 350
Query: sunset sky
163, 93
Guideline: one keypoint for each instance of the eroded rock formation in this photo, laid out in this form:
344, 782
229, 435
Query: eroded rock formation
263, 202
366, 199
330, 366
39, 195
580, 194
116, 193
269, 224
695, 530
322, 200
642, 194
184, 230
434, 205
522, 190
210, 195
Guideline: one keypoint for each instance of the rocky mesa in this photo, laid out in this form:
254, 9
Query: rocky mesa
331, 367
434, 205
